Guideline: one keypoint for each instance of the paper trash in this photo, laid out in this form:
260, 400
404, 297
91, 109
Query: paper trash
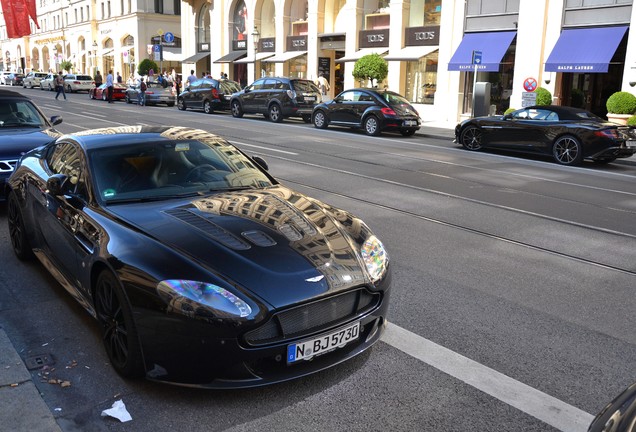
118, 411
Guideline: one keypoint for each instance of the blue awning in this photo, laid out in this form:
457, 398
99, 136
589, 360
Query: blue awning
585, 50
493, 46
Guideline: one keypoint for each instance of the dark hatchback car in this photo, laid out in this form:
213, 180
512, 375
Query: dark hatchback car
372, 110
208, 94
569, 135
277, 98
14, 79
199, 266
22, 127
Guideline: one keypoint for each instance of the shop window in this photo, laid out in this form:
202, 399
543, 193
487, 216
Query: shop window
421, 81
425, 12
298, 67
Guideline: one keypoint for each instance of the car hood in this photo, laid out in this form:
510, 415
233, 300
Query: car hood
15, 141
277, 243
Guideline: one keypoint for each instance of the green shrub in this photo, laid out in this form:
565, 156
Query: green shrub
146, 65
631, 121
544, 97
621, 103
66, 65
509, 110
371, 67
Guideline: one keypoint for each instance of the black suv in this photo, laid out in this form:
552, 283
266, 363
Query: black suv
277, 98
208, 94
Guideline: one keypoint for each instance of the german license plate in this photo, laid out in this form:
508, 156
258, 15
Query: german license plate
631, 144
314, 347
310, 98
410, 123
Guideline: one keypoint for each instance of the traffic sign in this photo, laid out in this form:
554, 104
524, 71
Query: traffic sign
156, 48
168, 37
528, 99
477, 57
530, 84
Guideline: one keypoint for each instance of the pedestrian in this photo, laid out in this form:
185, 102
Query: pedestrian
59, 85
119, 78
323, 84
177, 84
224, 76
109, 86
98, 79
192, 78
141, 96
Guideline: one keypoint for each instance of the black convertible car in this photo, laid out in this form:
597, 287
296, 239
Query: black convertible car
567, 134
199, 266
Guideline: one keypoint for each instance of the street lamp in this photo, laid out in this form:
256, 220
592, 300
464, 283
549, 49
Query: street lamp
255, 36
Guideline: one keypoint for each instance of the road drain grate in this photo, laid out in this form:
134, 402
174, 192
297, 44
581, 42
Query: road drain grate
39, 360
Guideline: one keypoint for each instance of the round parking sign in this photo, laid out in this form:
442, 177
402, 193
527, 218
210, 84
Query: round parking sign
530, 84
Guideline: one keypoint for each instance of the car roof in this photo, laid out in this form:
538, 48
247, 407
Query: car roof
564, 112
9, 94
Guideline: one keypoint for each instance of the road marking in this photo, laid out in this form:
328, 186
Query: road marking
531, 401
265, 148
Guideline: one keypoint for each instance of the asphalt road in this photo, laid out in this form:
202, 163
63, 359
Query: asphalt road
512, 306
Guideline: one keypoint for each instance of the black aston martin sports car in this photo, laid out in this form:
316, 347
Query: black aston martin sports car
567, 134
200, 267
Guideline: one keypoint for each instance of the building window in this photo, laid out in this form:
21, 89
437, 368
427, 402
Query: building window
177, 7
203, 30
425, 12
103, 15
108, 9
298, 67
159, 6
421, 79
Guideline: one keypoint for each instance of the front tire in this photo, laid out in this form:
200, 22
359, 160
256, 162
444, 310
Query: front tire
470, 138
128, 100
237, 111
207, 107
69, 89
372, 126
119, 333
181, 104
320, 120
567, 150
104, 97
275, 113
17, 231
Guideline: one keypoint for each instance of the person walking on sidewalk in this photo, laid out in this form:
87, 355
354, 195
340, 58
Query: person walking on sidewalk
109, 86
98, 79
59, 85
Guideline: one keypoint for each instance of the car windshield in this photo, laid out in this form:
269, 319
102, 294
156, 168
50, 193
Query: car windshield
20, 113
168, 169
305, 86
84, 78
395, 99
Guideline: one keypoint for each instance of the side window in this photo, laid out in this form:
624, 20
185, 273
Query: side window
258, 85
269, 84
520, 114
350, 96
552, 117
364, 97
65, 159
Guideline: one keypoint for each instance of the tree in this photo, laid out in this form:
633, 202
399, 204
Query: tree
371, 67
146, 65
544, 97
66, 65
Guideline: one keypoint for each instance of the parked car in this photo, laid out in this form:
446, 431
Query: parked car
76, 83
188, 281
569, 135
48, 82
22, 127
3, 77
208, 94
14, 79
101, 92
277, 98
33, 79
155, 94
618, 415
373, 110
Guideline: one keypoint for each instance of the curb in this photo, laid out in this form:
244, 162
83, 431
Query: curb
21, 405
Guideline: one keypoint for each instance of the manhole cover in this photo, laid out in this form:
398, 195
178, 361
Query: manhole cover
39, 360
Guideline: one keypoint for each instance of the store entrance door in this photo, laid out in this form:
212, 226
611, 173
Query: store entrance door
338, 80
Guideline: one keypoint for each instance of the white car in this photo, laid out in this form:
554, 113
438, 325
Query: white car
3, 77
48, 82
33, 79
77, 82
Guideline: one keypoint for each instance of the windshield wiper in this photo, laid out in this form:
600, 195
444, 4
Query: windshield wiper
18, 124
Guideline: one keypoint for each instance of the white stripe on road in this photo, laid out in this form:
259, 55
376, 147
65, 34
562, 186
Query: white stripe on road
531, 401
265, 148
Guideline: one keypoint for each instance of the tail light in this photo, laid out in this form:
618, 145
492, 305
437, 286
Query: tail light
607, 133
215, 93
291, 94
149, 92
76, 82
388, 111
93, 83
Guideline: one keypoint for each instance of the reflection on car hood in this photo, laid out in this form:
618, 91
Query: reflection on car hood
14, 141
292, 247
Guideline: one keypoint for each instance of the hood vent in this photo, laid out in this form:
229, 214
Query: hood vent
259, 238
210, 229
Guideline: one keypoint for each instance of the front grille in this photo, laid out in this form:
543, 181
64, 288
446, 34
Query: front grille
7, 166
314, 317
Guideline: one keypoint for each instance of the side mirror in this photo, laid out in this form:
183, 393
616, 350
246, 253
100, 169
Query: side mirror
261, 162
57, 184
56, 120
507, 117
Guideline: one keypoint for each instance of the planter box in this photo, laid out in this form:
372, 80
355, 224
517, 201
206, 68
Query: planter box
618, 118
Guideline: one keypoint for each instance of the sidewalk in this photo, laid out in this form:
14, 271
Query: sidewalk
21, 406
435, 129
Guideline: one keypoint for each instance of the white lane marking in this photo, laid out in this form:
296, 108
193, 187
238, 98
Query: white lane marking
76, 126
265, 148
531, 401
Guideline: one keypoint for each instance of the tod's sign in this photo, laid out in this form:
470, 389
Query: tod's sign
373, 38
422, 36
297, 43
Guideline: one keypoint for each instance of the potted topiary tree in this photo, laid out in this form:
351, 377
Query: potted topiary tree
146, 65
371, 67
620, 106
631, 121
544, 97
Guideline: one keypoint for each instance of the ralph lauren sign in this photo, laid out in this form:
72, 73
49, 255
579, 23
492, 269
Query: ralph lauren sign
373, 38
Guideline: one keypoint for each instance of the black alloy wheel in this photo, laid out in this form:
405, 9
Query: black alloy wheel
320, 120
408, 132
237, 111
275, 113
470, 138
181, 104
69, 89
128, 100
207, 107
567, 150
119, 334
372, 126
104, 96
17, 231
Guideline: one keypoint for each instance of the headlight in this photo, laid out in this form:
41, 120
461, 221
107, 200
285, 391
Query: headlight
374, 257
188, 297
